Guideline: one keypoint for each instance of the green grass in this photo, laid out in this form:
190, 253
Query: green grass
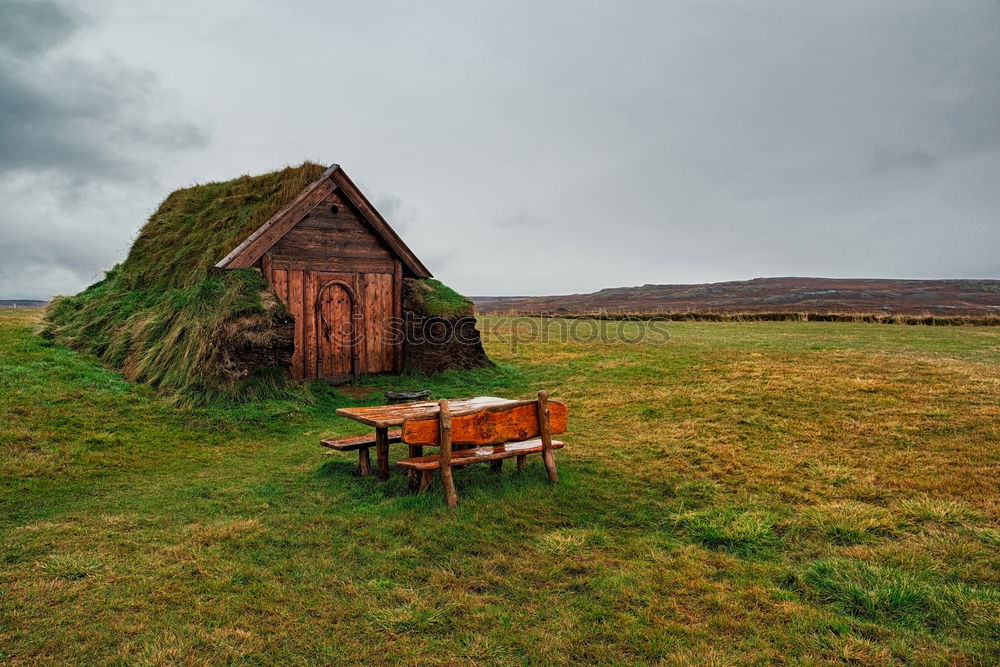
733, 530
433, 298
166, 317
893, 596
743, 493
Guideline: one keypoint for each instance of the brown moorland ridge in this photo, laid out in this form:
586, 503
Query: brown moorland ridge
770, 295
22, 303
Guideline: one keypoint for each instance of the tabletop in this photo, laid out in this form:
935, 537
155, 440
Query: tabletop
384, 416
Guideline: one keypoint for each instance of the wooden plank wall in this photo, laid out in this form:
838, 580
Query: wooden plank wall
376, 295
329, 246
327, 241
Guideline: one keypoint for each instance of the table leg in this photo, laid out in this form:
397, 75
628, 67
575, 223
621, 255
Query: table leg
413, 476
382, 452
364, 462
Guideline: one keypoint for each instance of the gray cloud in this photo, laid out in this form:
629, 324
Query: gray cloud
88, 119
83, 121
78, 138
401, 216
28, 27
658, 141
519, 218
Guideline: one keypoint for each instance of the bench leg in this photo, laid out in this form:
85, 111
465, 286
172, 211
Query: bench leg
444, 431
496, 467
522, 461
413, 476
426, 477
364, 462
545, 427
450, 494
382, 452
549, 459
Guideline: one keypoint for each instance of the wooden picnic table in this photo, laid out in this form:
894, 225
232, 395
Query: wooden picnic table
384, 417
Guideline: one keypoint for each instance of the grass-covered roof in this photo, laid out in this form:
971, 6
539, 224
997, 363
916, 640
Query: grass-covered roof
165, 315
430, 297
196, 227
168, 317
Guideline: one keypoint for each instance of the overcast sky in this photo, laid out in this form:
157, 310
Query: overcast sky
521, 148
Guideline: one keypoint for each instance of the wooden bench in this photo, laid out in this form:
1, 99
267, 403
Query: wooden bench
361, 443
494, 434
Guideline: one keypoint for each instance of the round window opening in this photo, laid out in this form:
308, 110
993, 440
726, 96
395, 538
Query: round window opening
335, 210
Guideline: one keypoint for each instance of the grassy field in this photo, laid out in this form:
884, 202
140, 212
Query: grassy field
762, 492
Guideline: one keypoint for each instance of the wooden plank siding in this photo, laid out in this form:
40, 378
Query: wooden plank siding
294, 304
397, 312
309, 322
337, 247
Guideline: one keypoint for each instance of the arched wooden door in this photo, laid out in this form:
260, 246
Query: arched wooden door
336, 354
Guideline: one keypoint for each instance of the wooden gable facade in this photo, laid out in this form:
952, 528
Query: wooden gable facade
338, 266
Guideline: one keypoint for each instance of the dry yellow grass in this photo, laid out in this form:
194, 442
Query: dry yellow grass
787, 492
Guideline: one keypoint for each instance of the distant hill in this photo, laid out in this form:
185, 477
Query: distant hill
22, 303
767, 295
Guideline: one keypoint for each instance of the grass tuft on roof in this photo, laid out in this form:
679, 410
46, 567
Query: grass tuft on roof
167, 317
430, 297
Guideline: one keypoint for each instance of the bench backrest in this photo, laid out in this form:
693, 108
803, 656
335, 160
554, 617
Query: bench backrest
489, 426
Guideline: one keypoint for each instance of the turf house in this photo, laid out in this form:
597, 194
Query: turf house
241, 287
